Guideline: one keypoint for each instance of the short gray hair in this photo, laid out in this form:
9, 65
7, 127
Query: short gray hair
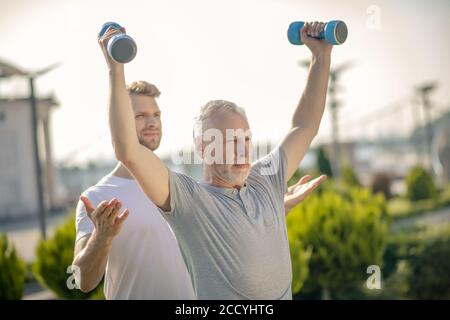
212, 107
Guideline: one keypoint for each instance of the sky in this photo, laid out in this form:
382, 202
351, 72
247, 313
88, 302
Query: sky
237, 50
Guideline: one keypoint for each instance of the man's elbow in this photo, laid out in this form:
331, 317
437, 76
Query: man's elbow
85, 288
313, 132
80, 278
121, 156
86, 285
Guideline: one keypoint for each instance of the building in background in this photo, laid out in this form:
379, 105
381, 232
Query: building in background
18, 175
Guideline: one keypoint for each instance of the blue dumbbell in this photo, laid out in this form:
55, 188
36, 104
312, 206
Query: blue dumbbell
335, 32
121, 47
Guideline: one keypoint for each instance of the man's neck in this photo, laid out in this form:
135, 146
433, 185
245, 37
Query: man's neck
216, 181
122, 172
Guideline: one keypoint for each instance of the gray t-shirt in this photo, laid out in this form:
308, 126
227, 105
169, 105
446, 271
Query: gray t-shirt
234, 242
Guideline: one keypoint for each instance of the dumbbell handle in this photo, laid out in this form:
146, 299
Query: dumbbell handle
335, 32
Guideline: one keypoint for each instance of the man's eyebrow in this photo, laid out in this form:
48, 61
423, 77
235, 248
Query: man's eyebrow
146, 112
234, 138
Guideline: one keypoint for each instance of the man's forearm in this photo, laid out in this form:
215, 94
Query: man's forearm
121, 117
91, 261
308, 114
309, 111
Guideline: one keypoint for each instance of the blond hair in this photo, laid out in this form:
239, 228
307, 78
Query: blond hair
143, 88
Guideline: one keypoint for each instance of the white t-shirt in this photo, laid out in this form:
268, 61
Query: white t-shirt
145, 261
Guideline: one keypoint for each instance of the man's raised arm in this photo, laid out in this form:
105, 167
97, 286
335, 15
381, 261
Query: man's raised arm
146, 167
308, 114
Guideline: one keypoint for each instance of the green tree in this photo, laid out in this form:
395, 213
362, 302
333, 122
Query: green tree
420, 185
12, 271
323, 163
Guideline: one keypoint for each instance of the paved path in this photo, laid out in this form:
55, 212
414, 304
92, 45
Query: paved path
25, 234
438, 217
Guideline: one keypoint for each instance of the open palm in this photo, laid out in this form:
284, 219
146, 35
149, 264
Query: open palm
298, 192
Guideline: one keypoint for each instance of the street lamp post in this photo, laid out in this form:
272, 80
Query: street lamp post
424, 92
37, 162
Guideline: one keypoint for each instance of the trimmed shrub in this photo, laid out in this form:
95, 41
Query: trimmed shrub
346, 231
300, 256
420, 185
12, 271
53, 258
349, 177
430, 276
416, 264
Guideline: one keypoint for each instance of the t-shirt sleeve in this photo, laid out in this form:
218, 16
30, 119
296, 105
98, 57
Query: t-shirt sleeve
183, 191
84, 225
273, 168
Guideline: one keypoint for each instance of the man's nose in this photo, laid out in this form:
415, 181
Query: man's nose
242, 151
151, 122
